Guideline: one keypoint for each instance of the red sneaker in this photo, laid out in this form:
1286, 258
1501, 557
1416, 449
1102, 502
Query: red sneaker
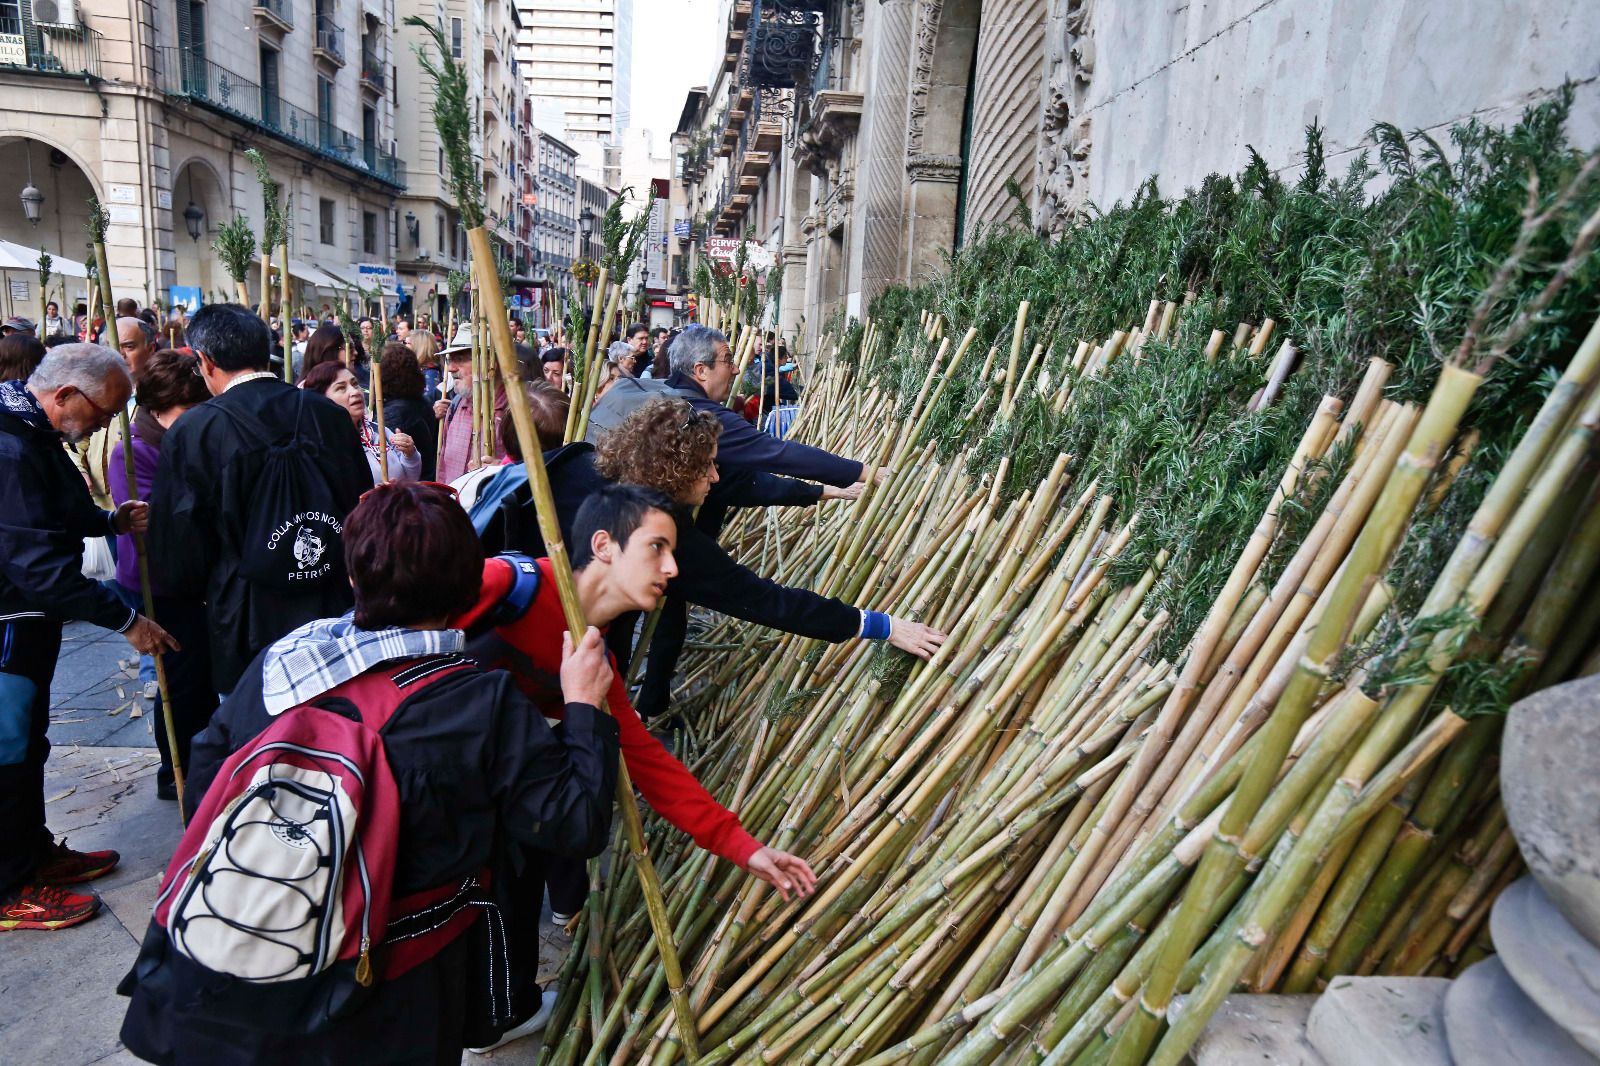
63, 866
39, 906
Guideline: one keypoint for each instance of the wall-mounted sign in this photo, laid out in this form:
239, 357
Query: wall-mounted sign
122, 194
377, 273
13, 50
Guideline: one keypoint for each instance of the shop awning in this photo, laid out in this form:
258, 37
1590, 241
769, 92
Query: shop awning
311, 275
15, 256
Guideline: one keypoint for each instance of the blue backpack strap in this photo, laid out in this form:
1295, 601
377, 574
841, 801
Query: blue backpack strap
524, 587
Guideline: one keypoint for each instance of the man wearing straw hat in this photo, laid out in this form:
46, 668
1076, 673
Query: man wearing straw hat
77, 390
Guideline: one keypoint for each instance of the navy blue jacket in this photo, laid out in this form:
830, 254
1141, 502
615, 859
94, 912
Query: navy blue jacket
744, 447
45, 512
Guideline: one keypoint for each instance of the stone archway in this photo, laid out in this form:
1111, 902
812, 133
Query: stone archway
62, 229
197, 182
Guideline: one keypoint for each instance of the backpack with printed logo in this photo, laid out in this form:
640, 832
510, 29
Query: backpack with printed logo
276, 911
292, 528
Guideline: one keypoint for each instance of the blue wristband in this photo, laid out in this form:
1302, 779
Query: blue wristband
875, 625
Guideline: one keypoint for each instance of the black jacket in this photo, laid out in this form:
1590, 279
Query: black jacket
744, 447
475, 763
415, 417
200, 505
707, 575
45, 512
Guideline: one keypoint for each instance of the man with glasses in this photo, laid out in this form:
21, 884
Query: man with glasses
45, 512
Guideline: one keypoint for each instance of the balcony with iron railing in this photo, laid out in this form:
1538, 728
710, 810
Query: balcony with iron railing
274, 12
189, 75
330, 41
373, 73
68, 51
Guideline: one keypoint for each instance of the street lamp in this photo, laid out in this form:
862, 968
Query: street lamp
31, 199
586, 223
194, 218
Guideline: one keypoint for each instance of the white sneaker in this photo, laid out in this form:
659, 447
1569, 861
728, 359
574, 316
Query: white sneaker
557, 918
547, 1004
152, 691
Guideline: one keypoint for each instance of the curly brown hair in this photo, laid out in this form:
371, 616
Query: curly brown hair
664, 445
402, 376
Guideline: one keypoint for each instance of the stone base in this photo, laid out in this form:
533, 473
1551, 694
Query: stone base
1555, 966
1261, 1030
1489, 1021
1381, 1021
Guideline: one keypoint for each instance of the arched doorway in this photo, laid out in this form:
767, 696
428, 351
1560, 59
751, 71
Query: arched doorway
62, 226
199, 207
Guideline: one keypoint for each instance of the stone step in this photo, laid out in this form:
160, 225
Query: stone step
1490, 1021
1549, 960
1251, 1030
1381, 1021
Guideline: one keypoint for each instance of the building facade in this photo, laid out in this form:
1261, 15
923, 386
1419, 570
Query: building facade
900, 128
150, 107
481, 35
577, 57
556, 231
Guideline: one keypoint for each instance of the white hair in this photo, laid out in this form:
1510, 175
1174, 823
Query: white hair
86, 367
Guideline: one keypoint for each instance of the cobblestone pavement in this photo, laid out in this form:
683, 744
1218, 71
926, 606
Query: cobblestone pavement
59, 987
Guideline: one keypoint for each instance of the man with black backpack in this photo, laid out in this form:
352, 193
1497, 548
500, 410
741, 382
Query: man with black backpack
251, 496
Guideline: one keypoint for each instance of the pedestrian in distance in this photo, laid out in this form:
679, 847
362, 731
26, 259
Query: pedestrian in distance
76, 390
405, 406
338, 384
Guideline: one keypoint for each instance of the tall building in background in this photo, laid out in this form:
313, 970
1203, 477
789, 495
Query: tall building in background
575, 57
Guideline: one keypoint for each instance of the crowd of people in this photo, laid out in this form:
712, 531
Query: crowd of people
300, 561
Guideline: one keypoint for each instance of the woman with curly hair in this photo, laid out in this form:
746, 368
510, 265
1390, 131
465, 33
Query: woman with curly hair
405, 404
668, 446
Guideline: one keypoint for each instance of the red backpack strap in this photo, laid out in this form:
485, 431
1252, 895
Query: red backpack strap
378, 693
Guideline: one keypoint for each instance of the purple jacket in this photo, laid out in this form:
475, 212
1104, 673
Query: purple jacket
145, 456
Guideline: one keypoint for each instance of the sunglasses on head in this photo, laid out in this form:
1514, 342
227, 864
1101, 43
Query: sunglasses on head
397, 484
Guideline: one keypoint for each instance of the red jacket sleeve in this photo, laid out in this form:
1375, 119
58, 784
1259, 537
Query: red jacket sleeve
672, 790
666, 783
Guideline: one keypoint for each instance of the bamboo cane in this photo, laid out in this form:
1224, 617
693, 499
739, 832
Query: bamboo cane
550, 529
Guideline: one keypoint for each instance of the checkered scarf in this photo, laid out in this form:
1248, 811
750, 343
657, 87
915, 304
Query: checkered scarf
326, 653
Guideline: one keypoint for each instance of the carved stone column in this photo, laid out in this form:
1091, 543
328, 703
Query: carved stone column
1064, 136
881, 161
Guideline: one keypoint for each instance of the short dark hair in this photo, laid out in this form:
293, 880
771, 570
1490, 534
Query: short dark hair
617, 509
20, 355
658, 331
232, 336
56, 340
127, 307
549, 406
636, 328
172, 379
401, 373
412, 556
554, 355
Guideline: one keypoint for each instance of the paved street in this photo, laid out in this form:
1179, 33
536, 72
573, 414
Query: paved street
59, 987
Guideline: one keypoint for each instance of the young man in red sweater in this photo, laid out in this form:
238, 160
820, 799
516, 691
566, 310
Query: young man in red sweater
624, 536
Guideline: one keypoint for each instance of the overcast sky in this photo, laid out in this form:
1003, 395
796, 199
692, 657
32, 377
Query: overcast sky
676, 43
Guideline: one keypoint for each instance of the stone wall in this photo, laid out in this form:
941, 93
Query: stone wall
1181, 91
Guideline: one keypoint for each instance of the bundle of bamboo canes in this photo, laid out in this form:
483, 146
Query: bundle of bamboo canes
1080, 809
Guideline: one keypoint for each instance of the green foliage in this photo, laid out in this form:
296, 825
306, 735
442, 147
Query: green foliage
99, 221
1349, 267
235, 245
452, 116
622, 239
275, 218
45, 263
